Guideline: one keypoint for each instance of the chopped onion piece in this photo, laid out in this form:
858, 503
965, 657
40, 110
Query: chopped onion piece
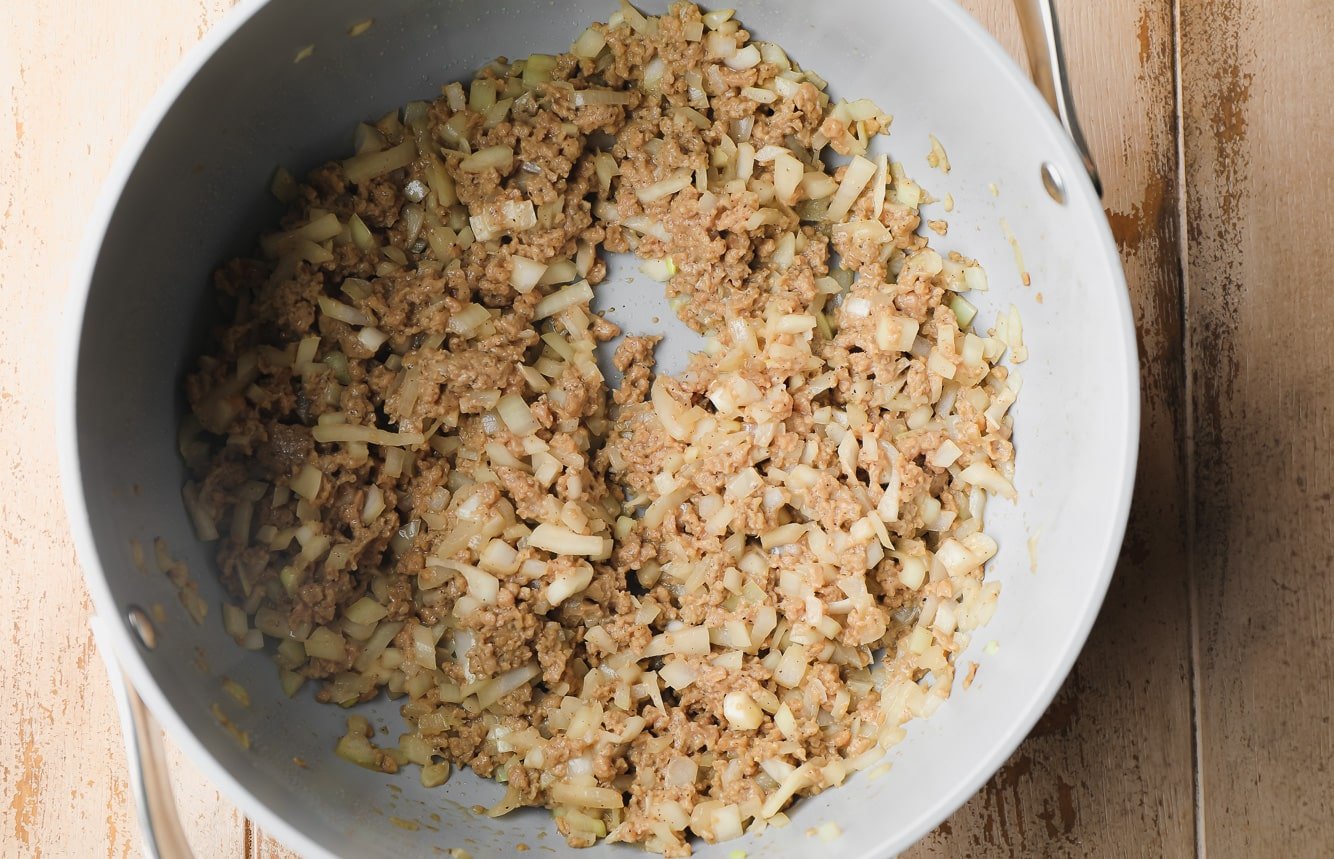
563, 541
372, 338
326, 433
516, 415
678, 181
680, 772
660, 270
799, 779
988, 478
678, 674
342, 312
362, 168
720, 46
468, 320
366, 610
307, 482
525, 273
792, 667
688, 641
828, 831
509, 216
788, 173
714, 19
594, 97
758, 94
324, 643
317, 230
878, 186
741, 711
506, 683
568, 296
744, 58
678, 423
857, 175
586, 796
589, 44
491, 158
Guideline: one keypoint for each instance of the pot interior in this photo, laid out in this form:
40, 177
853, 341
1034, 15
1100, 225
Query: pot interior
198, 195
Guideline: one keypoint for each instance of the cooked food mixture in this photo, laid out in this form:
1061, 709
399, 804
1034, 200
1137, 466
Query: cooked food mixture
655, 608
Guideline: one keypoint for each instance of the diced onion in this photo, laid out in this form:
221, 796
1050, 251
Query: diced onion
307, 482
792, 667
324, 643
366, 610
511, 216
342, 312
799, 778
857, 175
678, 181
743, 58
326, 433
569, 583
563, 541
317, 230
506, 683
678, 674
591, 97
569, 296
362, 168
491, 158
720, 45
516, 415
372, 338
689, 641
741, 711
788, 173
589, 44
586, 796
988, 478
525, 273
561, 271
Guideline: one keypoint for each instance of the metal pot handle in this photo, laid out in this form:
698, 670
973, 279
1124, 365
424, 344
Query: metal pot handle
1046, 62
150, 779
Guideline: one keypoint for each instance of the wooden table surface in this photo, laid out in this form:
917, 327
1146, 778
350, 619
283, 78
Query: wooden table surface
1197, 718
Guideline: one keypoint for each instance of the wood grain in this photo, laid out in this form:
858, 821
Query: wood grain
1245, 433
1107, 771
73, 78
1257, 127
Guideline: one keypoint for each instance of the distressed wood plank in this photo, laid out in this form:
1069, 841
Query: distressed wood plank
1258, 79
1107, 771
268, 847
212, 824
74, 78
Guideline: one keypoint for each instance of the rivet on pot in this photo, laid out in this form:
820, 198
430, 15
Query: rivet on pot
1052, 181
141, 626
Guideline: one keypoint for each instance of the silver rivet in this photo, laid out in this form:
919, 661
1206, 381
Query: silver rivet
142, 626
1051, 180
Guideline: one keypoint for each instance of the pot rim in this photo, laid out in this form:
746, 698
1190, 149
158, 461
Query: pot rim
1081, 199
